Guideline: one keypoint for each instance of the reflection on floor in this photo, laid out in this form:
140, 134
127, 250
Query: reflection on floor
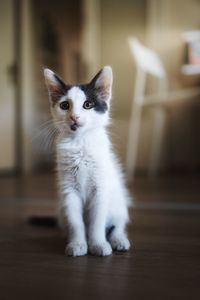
164, 262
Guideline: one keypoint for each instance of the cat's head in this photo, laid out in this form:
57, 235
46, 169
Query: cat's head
78, 108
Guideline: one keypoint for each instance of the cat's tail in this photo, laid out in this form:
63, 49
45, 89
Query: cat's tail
43, 221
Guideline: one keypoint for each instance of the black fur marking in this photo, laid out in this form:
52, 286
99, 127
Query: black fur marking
60, 90
63, 87
92, 94
109, 230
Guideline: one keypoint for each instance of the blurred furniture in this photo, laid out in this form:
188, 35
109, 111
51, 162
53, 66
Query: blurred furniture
189, 69
192, 40
148, 62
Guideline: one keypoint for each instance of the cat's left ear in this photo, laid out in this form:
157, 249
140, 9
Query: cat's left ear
102, 83
55, 85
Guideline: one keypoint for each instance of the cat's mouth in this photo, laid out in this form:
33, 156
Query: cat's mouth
74, 126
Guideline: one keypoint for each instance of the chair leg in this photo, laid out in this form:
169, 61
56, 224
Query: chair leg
133, 140
157, 140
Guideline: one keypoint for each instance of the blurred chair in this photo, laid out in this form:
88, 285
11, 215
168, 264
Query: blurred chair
148, 62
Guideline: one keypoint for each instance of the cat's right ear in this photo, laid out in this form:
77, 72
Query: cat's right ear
56, 87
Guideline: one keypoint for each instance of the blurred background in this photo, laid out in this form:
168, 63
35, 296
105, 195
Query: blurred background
153, 47
76, 38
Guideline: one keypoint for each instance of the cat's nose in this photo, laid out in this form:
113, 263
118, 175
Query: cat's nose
74, 118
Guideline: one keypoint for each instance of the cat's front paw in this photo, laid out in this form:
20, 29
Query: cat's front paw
76, 249
100, 249
120, 243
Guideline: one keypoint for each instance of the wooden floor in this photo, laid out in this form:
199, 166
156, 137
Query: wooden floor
164, 262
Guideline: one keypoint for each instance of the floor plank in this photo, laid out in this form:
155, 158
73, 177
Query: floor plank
164, 262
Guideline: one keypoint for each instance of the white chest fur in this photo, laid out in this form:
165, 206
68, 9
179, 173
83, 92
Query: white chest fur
84, 163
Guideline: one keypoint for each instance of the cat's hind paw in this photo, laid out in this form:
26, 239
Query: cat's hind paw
76, 249
100, 249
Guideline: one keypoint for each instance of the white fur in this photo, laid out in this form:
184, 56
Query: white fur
93, 194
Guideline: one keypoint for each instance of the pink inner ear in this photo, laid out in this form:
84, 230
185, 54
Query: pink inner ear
103, 84
103, 93
54, 92
103, 88
53, 88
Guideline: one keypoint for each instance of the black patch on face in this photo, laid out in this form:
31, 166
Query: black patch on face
58, 91
63, 87
92, 94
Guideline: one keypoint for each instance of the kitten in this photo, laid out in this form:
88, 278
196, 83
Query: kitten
94, 200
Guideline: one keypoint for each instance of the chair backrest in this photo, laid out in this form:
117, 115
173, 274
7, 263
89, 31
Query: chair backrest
148, 62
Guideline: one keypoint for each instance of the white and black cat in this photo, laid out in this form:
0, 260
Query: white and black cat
94, 200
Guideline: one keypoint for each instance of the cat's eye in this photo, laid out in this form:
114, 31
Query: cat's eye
88, 104
64, 105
